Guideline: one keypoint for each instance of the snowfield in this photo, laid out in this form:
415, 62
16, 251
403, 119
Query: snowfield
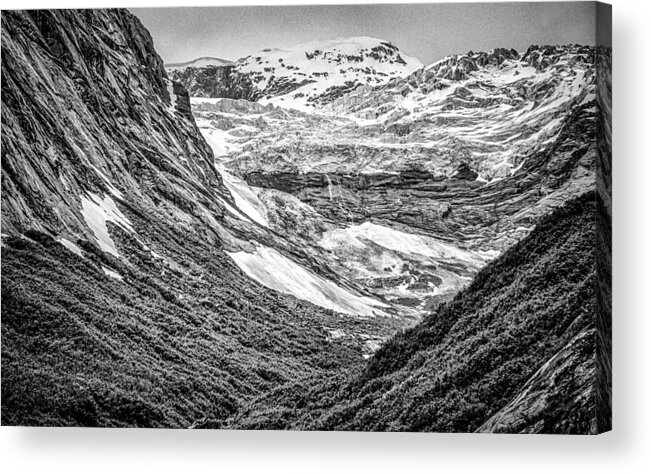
298, 77
245, 198
272, 269
402, 242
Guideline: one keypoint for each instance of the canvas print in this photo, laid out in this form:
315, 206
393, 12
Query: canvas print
319, 217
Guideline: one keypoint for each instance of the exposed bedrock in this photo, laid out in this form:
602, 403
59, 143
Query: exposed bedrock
216, 81
87, 108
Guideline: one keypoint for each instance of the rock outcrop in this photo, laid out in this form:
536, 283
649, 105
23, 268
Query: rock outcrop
216, 81
458, 67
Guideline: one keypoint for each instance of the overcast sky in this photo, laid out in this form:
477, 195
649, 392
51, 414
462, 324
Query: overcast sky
428, 32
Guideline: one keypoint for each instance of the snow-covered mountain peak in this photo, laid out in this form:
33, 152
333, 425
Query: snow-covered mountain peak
357, 49
204, 61
303, 76
312, 73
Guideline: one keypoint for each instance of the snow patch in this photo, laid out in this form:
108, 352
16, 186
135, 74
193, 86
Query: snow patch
245, 198
170, 90
111, 273
329, 186
274, 270
74, 248
336, 334
97, 212
401, 242
217, 139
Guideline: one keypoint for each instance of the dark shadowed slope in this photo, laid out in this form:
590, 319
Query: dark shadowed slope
518, 345
604, 238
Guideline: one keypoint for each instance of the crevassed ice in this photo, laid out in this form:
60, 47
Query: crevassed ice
220, 141
274, 270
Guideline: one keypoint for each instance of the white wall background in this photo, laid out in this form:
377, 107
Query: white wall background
626, 449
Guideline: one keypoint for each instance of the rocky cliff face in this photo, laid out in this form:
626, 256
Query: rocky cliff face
92, 124
87, 110
215, 81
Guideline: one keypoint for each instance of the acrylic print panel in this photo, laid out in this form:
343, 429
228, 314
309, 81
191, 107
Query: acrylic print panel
384, 218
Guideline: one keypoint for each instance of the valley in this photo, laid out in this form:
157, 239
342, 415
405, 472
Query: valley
410, 187
327, 236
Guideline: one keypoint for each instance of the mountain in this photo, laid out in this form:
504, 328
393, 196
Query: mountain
514, 352
89, 118
171, 259
412, 186
301, 76
198, 63
436, 145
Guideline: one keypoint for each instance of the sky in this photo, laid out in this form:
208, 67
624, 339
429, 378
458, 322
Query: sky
426, 31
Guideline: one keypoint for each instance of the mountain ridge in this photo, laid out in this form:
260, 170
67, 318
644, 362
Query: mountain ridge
202, 61
301, 75
466, 154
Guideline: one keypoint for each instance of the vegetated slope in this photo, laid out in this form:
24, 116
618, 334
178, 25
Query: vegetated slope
173, 338
604, 237
120, 305
517, 345
99, 341
301, 76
